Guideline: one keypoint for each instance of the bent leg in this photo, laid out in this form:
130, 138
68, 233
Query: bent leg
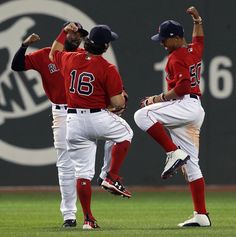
107, 159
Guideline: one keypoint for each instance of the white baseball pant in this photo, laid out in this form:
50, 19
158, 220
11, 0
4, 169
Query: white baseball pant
83, 130
66, 171
183, 118
107, 159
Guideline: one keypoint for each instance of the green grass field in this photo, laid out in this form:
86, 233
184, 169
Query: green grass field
145, 214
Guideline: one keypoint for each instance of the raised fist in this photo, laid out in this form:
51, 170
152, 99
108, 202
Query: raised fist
193, 12
31, 39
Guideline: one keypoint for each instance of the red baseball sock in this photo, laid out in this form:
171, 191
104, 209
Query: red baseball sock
119, 152
197, 188
159, 134
85, 192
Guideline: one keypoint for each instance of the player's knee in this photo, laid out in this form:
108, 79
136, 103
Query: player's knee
139, 119
194, 176
126, 133
193, 172
130, 135
84, 175
66, 178
63, 160
60, 144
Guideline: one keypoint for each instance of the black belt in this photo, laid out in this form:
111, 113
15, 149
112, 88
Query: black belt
193, 96
61, 106
74, 111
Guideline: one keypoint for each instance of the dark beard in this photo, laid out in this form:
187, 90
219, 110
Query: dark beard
71, 46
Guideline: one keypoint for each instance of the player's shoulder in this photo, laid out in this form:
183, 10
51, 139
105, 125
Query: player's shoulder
42, 51
104, 61
177, 54
80, 50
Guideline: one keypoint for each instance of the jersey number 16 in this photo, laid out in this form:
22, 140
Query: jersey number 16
84, 83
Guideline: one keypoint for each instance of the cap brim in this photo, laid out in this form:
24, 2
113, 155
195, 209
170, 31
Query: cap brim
83, 32
114, 36
158, 38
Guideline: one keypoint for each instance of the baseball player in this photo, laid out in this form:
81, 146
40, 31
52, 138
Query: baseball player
54, 88
179, 110
92, 83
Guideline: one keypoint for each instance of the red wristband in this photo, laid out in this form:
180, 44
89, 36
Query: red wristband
61, 37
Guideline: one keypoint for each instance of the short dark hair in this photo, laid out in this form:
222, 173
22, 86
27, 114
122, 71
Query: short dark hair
93, 48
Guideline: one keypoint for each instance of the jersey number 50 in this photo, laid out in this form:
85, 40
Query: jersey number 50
195, 73
84, 84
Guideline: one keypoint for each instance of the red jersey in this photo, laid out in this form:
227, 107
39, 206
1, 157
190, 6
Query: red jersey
185, 63
89, 81
52, 80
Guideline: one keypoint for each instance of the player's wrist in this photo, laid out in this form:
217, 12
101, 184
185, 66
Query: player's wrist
197, 21
154, 99
163, 97
24, 45
159, 98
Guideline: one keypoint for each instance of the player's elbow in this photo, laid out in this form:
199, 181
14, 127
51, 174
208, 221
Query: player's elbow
18, 67
51, 56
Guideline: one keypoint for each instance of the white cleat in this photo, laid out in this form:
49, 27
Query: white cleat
174, 160
198, 220
90, 225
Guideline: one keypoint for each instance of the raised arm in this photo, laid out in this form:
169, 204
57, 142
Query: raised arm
197, 22
58, 44
18, 62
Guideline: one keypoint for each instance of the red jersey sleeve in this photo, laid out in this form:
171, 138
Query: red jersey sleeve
114, 85
198, 44
198, 39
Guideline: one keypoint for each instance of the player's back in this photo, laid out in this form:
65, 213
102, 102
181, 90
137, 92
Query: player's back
90, 80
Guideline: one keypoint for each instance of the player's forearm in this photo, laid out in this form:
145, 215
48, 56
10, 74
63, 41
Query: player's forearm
170, 95
198, 28
58, 44
18, 62
183, 88
197, 21
118, 101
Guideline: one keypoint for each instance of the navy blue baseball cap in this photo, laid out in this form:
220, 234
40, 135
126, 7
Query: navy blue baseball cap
82, 31
102, 34
168, 29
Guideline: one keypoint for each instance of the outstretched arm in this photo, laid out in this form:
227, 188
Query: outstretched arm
197, 22
58, 44
18, 62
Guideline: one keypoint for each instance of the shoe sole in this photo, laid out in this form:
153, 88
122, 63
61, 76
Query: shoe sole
113, 190
170, 172
88, 227
193, 224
